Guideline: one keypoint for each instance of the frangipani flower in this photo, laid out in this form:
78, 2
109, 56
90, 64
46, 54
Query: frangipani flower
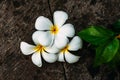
56, 33
65, 55
38, 51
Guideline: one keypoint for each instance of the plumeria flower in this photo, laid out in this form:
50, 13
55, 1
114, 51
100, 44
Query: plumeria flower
54, 33
65, 55
38, 51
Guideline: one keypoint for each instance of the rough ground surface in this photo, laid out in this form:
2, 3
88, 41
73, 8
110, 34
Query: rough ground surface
17, 18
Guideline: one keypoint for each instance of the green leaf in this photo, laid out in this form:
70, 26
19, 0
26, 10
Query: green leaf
116, 60
98, 57
95, 35
110, 50
106, 52
116, 26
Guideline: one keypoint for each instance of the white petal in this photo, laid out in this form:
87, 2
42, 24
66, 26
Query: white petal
70, 58
67, 30
26, 48
52, 42
61, 41
50, 58
75, 44
60, 17
52, 49
43, 23
43, 38
61, 57
36, 59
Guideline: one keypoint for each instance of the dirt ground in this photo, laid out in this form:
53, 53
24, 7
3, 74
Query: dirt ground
17, 19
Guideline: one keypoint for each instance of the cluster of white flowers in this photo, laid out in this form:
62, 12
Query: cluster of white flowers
51, 40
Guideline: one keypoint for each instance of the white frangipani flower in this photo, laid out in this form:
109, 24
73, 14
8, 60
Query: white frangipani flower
38, 51
56, 33
65, 55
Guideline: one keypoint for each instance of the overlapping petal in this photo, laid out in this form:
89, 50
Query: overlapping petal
36, 59
43, 38
67, 30
43, 23
70, 58
75, 44
52, 50
61, 57
60, 18
50, 58
26, 48
61, 41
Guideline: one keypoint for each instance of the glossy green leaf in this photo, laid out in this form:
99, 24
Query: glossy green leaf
98, 59
95, 35
106, 52
116, 60
111, 50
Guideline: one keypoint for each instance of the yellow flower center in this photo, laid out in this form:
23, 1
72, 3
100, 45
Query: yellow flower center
65, 49
54, 29
118, 36
39, 48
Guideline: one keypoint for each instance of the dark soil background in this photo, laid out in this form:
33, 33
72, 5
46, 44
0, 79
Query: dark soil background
17, 19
